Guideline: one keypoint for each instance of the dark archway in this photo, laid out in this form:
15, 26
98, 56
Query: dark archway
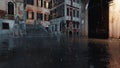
98, 19
10, 8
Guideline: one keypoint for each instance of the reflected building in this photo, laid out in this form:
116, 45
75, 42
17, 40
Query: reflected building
98, 55
114, 54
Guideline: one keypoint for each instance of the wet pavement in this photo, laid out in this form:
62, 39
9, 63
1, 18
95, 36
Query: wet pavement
59, 52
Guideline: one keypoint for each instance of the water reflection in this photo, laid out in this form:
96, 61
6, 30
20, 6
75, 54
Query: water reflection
72, 53
65, 52
6, 48
114, 51
98, 55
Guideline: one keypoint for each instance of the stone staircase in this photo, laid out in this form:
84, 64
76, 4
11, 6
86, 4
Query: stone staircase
36, 30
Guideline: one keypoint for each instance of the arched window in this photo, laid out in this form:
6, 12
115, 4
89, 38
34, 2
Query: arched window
10, 8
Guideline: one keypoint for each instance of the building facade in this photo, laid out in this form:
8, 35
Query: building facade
9, 10
65, 17
114, 19
84, 17
37, 11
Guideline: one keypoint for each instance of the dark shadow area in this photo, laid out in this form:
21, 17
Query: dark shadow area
98, 19
6, 53
47, 52
70, 33
98, 55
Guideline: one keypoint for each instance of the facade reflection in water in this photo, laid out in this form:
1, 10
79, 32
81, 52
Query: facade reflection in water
98, 55
68, 52
6, 48
114, 51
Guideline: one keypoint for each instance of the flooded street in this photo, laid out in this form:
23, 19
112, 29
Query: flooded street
59, 52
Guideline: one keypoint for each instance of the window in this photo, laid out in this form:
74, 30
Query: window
38, 16
67, 24
46, 17
41, 16
73, 0
73, 13
77, 24
47, 4
68, 11
51, 13
54, 14
10, 8
50, 4
74, 24
77, 13
77, 1
39, 2
30, 15
60, 26
60, 11
55, 27
5, 25
52, 28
